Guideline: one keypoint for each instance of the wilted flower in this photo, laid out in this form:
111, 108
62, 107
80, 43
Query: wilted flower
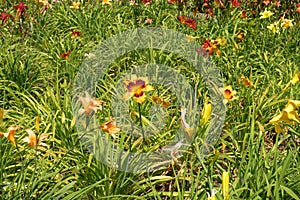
136, 88
110, 127
75, 5
89, 105
10, 135
33, 141
266, 14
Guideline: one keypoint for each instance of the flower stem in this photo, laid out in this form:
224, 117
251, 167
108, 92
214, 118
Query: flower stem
140, 115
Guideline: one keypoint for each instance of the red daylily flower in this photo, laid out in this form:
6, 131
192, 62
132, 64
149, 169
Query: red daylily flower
66, 55
146, 2
75, 33
211, 47
236, 3
20, 8
298, 7
171, 1
191, 23
4, 16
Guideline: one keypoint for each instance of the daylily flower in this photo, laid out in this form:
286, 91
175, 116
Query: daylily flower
110, 127
148, 21
132, 3
32, 140
89, 105
288, 115
296, 78
10, 135
146, 2
246, 81
75, 5
298, 7
171, 1
266, 2
20, 7
211, 47
240, 36
106, 2
75, 33
229, 94
243, 14
158, 100
66, 55
266, 14
286, 23
221, 41
278, 4
44, 3
188, 21
136, 88
274, 27
236, 3
4, 16
225, 185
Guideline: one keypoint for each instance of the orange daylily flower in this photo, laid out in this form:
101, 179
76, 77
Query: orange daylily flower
10, 135
158, 100
136, 88
246, 81
32, 140
89, 105
110, 127
75, 5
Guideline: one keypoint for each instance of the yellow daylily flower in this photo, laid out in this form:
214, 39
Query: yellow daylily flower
229, 94
75, 5
266, 14
221, 41
296, 78
286, 23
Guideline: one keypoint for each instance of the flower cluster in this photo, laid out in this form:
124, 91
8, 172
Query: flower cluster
212, 46
191, 23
